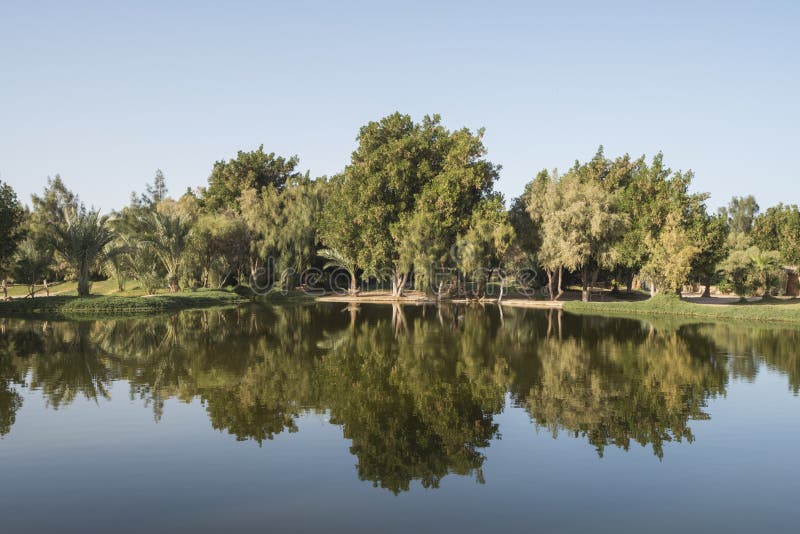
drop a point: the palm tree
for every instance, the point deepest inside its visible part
(339, 260)
(81, 240)
(167, 236)
(765, 267)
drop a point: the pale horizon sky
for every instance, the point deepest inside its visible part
(105, 94)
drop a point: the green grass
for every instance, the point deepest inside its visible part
(104, 305)
(771, 310)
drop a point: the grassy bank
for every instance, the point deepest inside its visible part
(103, 305)
(771, 310)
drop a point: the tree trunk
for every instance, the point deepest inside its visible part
(560, 284)
(585, 284)
(707, 291)
(652, 288)
(550, 287)
(83, 281)
(353, 285)
(5, 289)
(398, 283)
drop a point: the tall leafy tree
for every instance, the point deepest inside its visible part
(741, 212)
(283, 225)
(248, 170)
(408, 184)
(11, 224)
(581, 224)
(671, 255)
(778, 228)
(485, 243)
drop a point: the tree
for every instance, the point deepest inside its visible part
(766, 267)
(155, 193)
(710, 234)
(407, 185)
(167, 236)
(249, 170)
(741, 213)
(81, 241)
(219, 246)
(580, 227)
(49, 212)
(31, 263)
(737, 269)
(283, 225)
(778, 228)
(671, 255)
(340, 261)
(484, 245)
(11, 229)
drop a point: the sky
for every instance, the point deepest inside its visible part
(105, 93)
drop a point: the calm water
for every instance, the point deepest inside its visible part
(323, 418)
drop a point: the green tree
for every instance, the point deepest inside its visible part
(778, 228)
(81, 241)
(167, 236)
(580, 227)
(485, 243)
(766, 267)
(408, 185)
(31, 262)
(671, 255)
(249, 170)
(741, 212)
(710, 234)
(11, 228)
(283, 225)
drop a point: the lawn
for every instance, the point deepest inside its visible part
(115, 303)
(786, 311)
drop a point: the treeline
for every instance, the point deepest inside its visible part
(415, 207)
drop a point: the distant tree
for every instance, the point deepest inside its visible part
(81, 241)
(741, 212)
(11, 225)
(154, 194)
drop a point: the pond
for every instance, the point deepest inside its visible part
(367, 418)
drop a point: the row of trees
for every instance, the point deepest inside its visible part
(415, 207)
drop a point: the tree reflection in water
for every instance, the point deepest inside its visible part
(415, 389)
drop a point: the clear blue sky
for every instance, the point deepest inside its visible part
(105, 94)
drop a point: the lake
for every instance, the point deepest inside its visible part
(328, 417)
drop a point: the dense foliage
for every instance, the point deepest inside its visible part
(414, 208)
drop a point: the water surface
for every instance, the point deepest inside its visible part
(326, 417)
